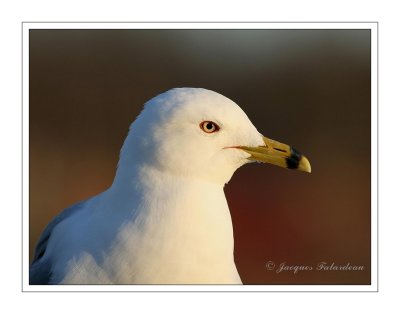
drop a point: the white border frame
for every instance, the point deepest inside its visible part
(373, 26)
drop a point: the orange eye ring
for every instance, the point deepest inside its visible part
(209, 126)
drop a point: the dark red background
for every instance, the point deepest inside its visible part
(308, 88)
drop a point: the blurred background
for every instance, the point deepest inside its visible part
(307, 88)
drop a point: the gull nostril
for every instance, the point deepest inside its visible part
(281, 150)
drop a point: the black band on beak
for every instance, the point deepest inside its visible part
(293, 160)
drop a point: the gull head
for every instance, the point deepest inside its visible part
(200, 134)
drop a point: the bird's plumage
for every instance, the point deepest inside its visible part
(165, 219)
(40, 271)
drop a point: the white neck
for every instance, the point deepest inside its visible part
(181, 231)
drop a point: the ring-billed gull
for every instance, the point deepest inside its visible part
(165, 219)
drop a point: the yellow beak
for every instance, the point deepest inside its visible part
(278, 154)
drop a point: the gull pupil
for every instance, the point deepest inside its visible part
(209, 126)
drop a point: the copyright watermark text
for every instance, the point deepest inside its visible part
(321, 266)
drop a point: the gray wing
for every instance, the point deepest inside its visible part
(40, 269)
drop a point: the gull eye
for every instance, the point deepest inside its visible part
(209, 126)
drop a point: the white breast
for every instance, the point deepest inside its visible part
(179, 235)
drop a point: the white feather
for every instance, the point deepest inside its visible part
(165, 219)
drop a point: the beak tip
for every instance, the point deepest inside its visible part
(304, 165)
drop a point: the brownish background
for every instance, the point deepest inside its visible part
(308, 88)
